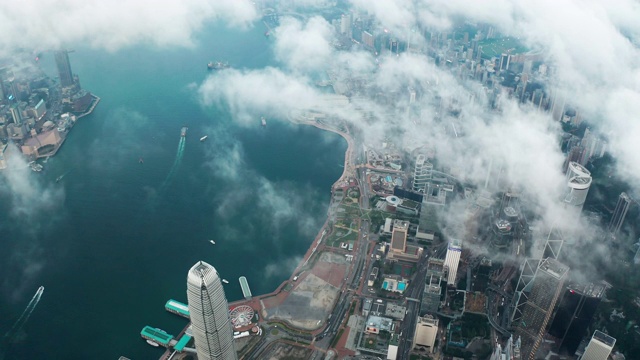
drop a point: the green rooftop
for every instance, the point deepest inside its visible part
(177, 307)
(157, 335)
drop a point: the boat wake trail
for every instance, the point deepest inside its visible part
(10, 336)
(176, 164)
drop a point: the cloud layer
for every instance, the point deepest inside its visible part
(50, 24)
(590, 48)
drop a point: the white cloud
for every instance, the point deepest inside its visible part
(50, 24)
(248, 94)
(304, 46)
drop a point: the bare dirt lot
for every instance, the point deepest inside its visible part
(309, 303)
(284, 351)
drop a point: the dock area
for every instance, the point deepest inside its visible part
(244, 285)
(177, 308)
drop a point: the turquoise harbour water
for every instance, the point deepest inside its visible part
(115, 239)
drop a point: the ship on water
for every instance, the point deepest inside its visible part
(263, 121)
(152, 343)
(225, 281)
(204, 138)
(213, 242)
(217, 65)
(183, 131)
(35, 166)
(59, 178)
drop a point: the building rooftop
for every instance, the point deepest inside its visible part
(395, 311)
(604, 338)
(380, 323)
(157, 335)
(589, 289)
(553, 267)
(510, 211)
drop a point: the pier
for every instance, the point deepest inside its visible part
(177, 308)
(94, 103)
(244, 285)
(158, 336)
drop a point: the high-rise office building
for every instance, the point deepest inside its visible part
(451, 261)
(578, 183)
(209, 312)
(431, 295)
(546, 288)
(16, 114)
(599, 347)
(422, 173)
(64, 68)
(574, 314)
(510, 350)
(595, 147)
(399, 236)
(345, 25)
(620, 212)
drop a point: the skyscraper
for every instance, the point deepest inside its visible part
(624, 201)
(546, 288)
(422, 173)
(451, 261)
(209, 313)
(399, 236)
(578, 183)
(345, 25)
(599, 347)
(575, 312)
(16, 114)
(64, 68)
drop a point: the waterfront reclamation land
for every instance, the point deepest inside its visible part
(307, 303)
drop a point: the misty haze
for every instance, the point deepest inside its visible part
(320, 179)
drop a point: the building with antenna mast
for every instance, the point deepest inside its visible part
(546, 288)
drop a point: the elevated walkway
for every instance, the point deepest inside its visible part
(184, 340)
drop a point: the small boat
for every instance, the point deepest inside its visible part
(204, 138)
(59, 178)
(183, 131)
(153, 343)
(213, 242)
(267, 33)
(217, 65)
(225, 281)
(141, 161)
(263, 121)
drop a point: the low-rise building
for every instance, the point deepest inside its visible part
(372, 277)
(376, 324)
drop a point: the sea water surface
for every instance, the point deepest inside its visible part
(114, 239)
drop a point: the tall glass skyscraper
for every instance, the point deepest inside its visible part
(64, 68)
(574, 314)
(209, 311)
(546, 288)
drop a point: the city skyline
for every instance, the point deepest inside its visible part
(487, 124)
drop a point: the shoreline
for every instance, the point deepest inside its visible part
(322, 231)
(257, 301)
